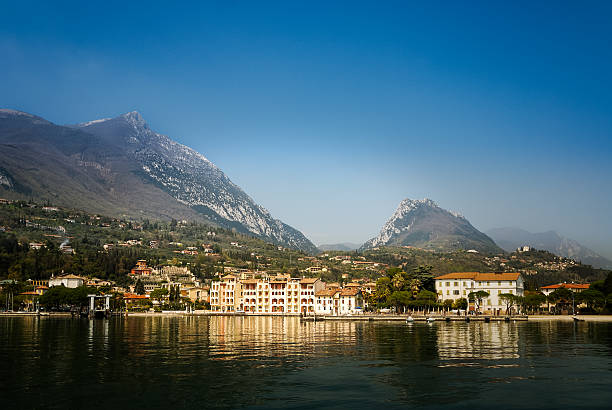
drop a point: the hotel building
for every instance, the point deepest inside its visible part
(454, 286)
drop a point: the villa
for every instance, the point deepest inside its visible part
(454, 286)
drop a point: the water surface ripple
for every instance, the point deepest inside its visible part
(266, 362)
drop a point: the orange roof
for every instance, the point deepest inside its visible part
(349, 292)
(29, 293)
(326, 292)
(498, 276)
(352, 285)
(480, 276)
(567, 286)
(309, 280)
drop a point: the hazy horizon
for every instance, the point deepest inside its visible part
(330, 115)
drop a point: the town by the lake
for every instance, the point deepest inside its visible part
(305, 205)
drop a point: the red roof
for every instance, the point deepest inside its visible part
(134, 296)
(567, 286)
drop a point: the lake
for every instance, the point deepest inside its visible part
(267, 362)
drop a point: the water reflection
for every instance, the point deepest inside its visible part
(482, 341)
(228, 362)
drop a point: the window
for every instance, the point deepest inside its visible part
(456, 292)
(448, 292)
(447, 283)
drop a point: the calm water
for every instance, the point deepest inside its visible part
(262, 362)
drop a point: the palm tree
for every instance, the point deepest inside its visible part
(398, 281)
(415, 287)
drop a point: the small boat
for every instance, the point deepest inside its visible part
(430, 319)
(577, 319)
(409, 319)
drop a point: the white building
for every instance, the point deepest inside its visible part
(334, 301)
(454, 286)
(574, 287)
(69, 281)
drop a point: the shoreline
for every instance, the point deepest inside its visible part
(356, 318)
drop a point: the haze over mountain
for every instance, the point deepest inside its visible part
(345, 246)
(119, 166)
(423, 224)
(511, 238)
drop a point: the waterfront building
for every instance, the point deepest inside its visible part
(69, 281)
(226, 294)
(574, 287)
(308, 288)
(276, 294)
(336, 301)
(351, 301)
(326, 302)
(458, 285)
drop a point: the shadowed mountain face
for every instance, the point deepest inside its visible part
(423, 224)
(120, 166)
(511, 238)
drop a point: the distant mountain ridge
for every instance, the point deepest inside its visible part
(344, 247)
(511, 238)
(423, 224)
(120, 165)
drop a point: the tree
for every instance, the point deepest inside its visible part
(159, 294)
(461, 304)
(399, 281)
(383, 290)
(560, 298)
(448, 304)
(478, 297)
(427, 298)
(594, 299)
(426, 279)
(139, 288)
(399, 299)
(509, 300)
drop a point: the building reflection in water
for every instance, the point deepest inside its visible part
(251, 337)
(478, 341)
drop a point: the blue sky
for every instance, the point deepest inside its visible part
(330, 114)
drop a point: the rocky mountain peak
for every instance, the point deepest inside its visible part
(422, 223)
(135, 120)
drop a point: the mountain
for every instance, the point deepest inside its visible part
(511, 238)
(119, 166)
(344, 247)
(423, 224)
